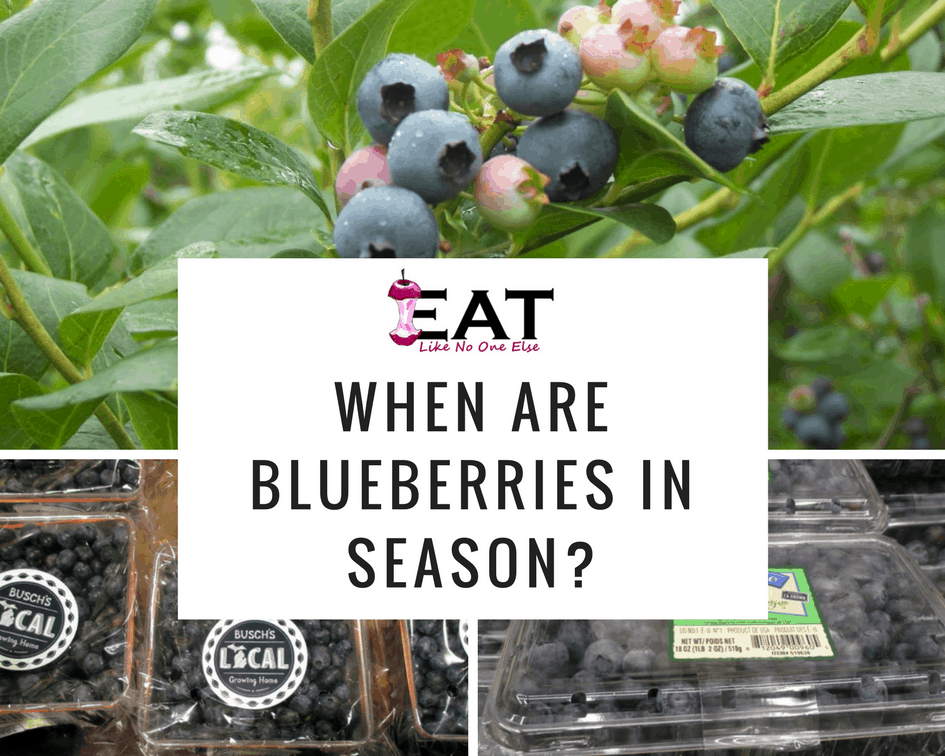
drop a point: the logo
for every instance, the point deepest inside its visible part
(38, 619)
(480, 313)
(254, 664)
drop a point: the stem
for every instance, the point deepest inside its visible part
(893, 425)
(34, 329)
(920, 26)
(481, 83)
(319, 16)
(493, 135)
(708, 207)
(34, 260)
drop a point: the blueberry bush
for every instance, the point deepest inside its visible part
(137, 132)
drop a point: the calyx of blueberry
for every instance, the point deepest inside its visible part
(380, 248)
(574, 181)
(397, 102)
(759, 137)
(454, 160)
(529, 57)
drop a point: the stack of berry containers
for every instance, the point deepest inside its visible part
(823, 496)
(31, 485)
(250, 685)
(67, 587)
(437, 661)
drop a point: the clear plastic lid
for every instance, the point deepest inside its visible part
(438, 665)
(66, 614)
(67, 480)
(905, 468)
(202, 678)
(492, 634)
(862, 657)
(822, 496)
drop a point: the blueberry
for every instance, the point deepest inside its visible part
(537, 72)
(789, 418)
(604, 657)
(576, 635)
(434, 154)
(576, 150)
(386, 221)
(396, 87)
(915, 426)
(548, 659)
(874, 261)
(815, 431)
(725, 124)
(833, 407)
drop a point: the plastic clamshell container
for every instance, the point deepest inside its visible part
(451, 654)
(905, 468)
(492, 635)
(823, 496)
(108, 628)
(60, 480)
(156, 718)
(870, 688)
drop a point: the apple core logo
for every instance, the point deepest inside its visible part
(405, 293)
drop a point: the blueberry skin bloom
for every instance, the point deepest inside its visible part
(537, 72)
(434, 154)
(576, 150)
(396, 87)
(386, 221)
(725, 124)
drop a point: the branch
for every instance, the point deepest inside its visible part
(33, 260)
(893, 425)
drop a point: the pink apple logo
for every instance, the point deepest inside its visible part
(405, 293)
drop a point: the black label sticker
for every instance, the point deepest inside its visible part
(38, 619)
(254, 664)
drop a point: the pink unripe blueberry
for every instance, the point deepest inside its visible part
(686, 59)
(575, 22)
(655, 15)
(616, 56)
(455, 65)
(509, 192)
(363, 169)
(802, 399)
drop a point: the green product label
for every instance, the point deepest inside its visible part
(794, 628)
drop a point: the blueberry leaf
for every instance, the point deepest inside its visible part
(83, 331)
(51, 47)
(881, 98)
(493, 22)
(824, 344)
(234, 146)
(756, 253)
(154, 318)
(75, 243)
(652, 221)
(154, 417)
(922, 252)
(14, 386)
(290, 19)
(425, 29)
(203, 90)
(775, 31)
(252, 222)
(862, 296)
(817, 265)
(648, 151)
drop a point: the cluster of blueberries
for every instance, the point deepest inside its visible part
(440, 676)
(426, 154)
(92, 559)
(815, 414)
(19, 476)
(887, 638)
(324, 707)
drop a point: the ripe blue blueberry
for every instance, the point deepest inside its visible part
(576, 150)
(386, 221)
(834, 407)
(537, 72)
(814, 430)
(396, 87)
(725, 124)
(434, 154)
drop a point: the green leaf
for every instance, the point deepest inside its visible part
(429, 27)
(775, 31)
(750, 254)
(14, 386)
(154, 418)
(296, 254)
(254, 222)
(290, 19)
(51, 300)
(346, 12)
(155, 318)
(152, 369)
(817, 265)
(75, 243)
(204, 90)
(51, 427)
(834, 342)
(916, 135)
(50, 48)
(862, 296)
(652, 221)
(880, 98)
(83, 331)
(234, 146)
(493, 22)
(880, 385)
(648, 151)
(334, 79)
(923, 250)
(93, 436)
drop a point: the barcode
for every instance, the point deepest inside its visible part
(781, 641)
